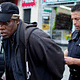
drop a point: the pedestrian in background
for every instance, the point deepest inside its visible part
(43, 59)
(72, 54)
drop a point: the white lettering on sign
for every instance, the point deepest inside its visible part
(50, 0)
(28, 1)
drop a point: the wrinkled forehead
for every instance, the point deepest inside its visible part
(75, 14)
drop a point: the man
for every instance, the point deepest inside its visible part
(72, 54)
(44, 58)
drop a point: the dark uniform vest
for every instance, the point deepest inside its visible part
(74, 51)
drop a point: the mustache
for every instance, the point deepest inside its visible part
(76, 25)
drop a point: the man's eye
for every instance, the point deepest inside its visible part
(6, 23)
(76, 19)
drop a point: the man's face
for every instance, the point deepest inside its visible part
(8, 28)
(76, 19)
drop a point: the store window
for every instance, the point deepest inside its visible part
(45, 25)
(62, 30)
(46, 19)
(63, 21)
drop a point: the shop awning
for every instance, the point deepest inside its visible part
(58, 1)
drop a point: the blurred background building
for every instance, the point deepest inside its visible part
(52, 16)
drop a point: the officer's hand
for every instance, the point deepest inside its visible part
(4, 78)
(66, 52)
(69, 60)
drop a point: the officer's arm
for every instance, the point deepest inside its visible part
(76, 61)
(72, 61)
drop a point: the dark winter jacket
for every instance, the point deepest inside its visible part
(74, 51)
(45, 57)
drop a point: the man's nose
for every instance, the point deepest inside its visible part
(2, 27)
(74, 23)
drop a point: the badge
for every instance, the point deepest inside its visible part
(0, 9)
(79, 44)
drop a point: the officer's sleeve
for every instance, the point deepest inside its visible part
(48, 53)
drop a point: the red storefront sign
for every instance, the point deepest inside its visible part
(28, 3)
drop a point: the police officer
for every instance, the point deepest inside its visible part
(72, 54)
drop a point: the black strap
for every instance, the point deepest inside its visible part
(27, 37)
(27, 29)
